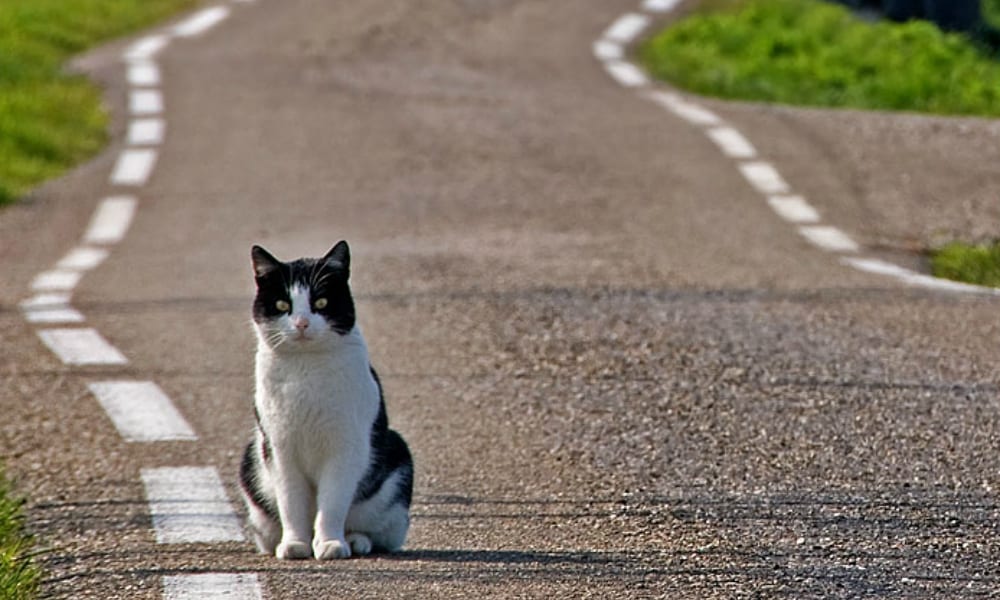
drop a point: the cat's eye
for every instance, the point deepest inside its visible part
(283, 306)
(319, 303)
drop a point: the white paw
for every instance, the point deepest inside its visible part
(361, 544)
(292, 550)
(331, 549)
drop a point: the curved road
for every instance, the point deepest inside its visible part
(617, 368)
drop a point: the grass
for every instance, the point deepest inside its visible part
(978, 264)
(19, 577)
(51, 120)
(810, 52)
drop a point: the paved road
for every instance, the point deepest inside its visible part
(617, 368)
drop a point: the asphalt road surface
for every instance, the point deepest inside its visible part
(620, 373)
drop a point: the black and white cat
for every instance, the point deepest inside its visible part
(325, 476)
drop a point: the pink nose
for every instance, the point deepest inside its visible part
(301, 323)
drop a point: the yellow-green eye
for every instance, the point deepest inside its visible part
(320, 303)
(283, 306)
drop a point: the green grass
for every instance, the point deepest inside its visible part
(979, 264)
(19, 577)
(51, 120)
(809, 52)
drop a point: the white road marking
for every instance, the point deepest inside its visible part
(607, 50)
(731, 142)
(143, 73)
(626, 28)
(829, 238)
(134, 167)
(146, 48)
(145, 132)
(81, 347)
(189, 505)
(764, 177)
(660, 6)
(793, 209)
(201, 21)
(82, 258)
(690, 112)
(141, 411)
(56, 281)
(111, 220)
(50, 308)
(625, 73)
(212, 586)
(881, 267)
(145, 102)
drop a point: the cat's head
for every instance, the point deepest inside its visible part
(305, 304)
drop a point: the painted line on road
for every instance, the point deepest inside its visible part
(763, 176)
(143, 73)
(56, 281)
(212, 586)
(50, 308)
(145, 132)
(81, 347)
(111, 220)
(189, 505)
(134, 167)
(141, 412)
(201, 21)
(145, 102)
(82, 258)
(146, 48)
(793, 209)
(731, 142)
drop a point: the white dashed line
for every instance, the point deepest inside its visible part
(764, 177)
(145, 132)
(134, 167)
(829, 238)
(793, 209)
(690, 112)
(145, 102)
(82, 258)
(626, 28)
(605, 50)
(146, 48)
(189, 505)
(212, 586)
(81, 347)
(660, 6)
(141, 411)
(731, 142)
(111, 220)
(143, 74)
(201, 21)
(50, 308)
(881, 267)
(56, 281)
(625, 73)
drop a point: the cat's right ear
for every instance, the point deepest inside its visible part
(263, 262)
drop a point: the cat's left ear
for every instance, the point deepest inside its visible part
(339, 257)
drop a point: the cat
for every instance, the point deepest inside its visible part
(324, 476)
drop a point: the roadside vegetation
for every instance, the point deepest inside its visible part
(811, 52)
(19, 577)
(816, 53)
(50, 119)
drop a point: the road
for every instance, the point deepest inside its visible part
(620, 373)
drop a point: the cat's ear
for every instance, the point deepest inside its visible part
(263, 262)
(339, 257)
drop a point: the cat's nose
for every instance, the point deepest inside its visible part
(300, 323)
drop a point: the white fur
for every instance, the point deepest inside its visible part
(317, 401)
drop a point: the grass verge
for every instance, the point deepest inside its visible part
(978, 264)
(810, 52)
(51, 120)
(19, 576)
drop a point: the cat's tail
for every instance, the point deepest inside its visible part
(259, 495)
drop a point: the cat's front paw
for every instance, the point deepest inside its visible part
(331, 549)
(292, 550)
